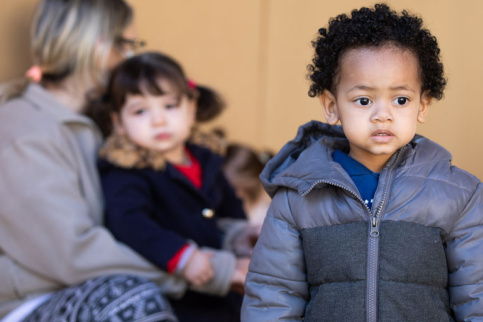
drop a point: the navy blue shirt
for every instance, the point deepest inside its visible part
(364, 179)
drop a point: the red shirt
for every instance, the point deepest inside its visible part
(192, 171)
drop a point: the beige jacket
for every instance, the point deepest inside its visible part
(51, 211)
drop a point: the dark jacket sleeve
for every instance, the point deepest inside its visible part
(465, 261)
(129, 212)
(276, 285)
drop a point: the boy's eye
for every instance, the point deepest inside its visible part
(401, 101)
(363, 101)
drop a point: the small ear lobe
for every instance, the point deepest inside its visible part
(424, 107)
(329, 105)
(117, 126)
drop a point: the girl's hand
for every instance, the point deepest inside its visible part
(239, 274)
(198, 270)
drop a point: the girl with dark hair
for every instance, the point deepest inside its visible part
(167, 198)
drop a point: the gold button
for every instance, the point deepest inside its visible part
(208, 213)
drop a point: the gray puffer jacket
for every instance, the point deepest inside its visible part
(324, 256)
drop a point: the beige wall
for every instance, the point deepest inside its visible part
(15, 18)
(255, 52)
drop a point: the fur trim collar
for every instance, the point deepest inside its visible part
(122, 152)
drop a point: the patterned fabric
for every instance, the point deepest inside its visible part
(115, 298)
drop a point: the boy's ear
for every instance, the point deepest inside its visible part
(424, 107)
(329, 105)
(117, 126)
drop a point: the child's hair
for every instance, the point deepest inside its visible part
(72, 37)
(375, 28)
(242, 167)
(142, 74)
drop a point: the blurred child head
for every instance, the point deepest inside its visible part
(376, 72)
(151, 102)
(242, 167)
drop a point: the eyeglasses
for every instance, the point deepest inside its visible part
(134, 45)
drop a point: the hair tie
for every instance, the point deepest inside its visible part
(191, 84)
(34, 73)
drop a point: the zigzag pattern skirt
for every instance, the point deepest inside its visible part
(114, 298)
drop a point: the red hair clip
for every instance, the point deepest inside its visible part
(191, 84)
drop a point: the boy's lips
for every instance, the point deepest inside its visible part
(382, 136)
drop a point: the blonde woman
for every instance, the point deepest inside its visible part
(57, 261)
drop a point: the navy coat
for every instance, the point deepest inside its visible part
(157, 212)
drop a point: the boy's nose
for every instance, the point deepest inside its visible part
(382, 113)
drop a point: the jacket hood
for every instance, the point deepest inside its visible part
(307, 159)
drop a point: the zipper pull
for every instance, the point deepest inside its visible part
(374, 227)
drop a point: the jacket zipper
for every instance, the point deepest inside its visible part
(373, 243)
(373, 247)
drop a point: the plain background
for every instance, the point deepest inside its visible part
(256, 52)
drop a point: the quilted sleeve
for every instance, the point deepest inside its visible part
(464, 253)
(276, 285)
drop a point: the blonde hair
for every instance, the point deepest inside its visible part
(74, 37)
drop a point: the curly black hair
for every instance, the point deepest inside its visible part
(375, 28)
